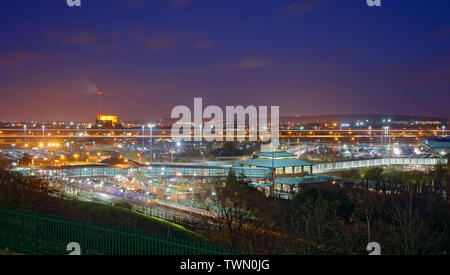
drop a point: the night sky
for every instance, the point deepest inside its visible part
(309, 57)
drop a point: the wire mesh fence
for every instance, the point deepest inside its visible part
(42, 234)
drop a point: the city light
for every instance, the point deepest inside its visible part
(274, 128)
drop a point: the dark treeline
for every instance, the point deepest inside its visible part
(33, 194)
(406, 212)
(392, 180)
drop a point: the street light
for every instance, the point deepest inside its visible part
(387, 133)
(32, 160)
(172, 152)
(201, 134)
(43, 135)
(443, 130)
(25, 132)
(143, 137)
(151, 141)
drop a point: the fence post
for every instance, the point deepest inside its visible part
(85, 238)
(36, 245)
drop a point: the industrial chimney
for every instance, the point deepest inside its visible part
(99, 93)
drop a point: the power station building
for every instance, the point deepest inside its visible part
(106, 121)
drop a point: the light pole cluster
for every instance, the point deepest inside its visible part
(143, 138)
(43, 137)
(151, 140)
(25, 132)
(387, 140)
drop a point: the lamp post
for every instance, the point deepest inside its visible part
(200, 127)
(273, 173)
(151, 141)
(143, 137)
(43, 136)
(387, 137)
(25, 133)
(443, 130)
(32, 160)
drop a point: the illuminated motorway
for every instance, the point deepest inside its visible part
(159, 133)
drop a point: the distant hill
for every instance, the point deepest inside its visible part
(351, 118)
(346, 118)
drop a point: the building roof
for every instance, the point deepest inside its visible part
(278, 154)
(437, 143)
(180, 180)
(276, 163)
(119, 161)
(256, 184)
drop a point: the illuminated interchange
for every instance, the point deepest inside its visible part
(110, 160)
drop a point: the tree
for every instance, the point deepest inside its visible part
(4, 163)
(367, 205)
(234, 219)
(26, 159)
(320, 217)
(414, 229)
(17, 190)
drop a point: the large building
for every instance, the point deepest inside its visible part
(282, 164)
(289, 174)
(438, 144)
(106, 121)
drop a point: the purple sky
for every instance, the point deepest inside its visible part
(309, 57)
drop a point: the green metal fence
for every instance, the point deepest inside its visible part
(42, 234)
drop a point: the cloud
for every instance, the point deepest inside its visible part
(247, 63)
(178, 3)
(166, 41)
(87, 86)
(18, 58)
(442, 32)
(428, 73)
(82, 38)
(57, 35)
(300, 8)
(134, 3)
(106, 48)
(204, 45)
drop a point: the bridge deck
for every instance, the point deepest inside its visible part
(320, 168)
(153, 171)
(204, 171)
